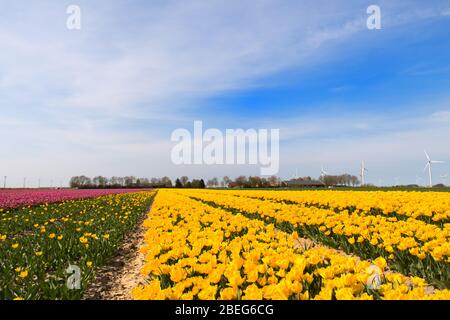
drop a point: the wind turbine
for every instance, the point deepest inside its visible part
(323, 172)
(418, 179)
(296, 174)
(4, 182)
(444, 178)
(429, 165)
(363, 173)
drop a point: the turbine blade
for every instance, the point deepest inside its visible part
(426, 166)
(428, 157)
(436, 161)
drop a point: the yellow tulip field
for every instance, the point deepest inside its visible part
(300, 245)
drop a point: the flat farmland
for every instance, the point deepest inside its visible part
(214, 244)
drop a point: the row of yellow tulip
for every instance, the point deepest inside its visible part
(196, 251)
(413, 245)
(430, 206)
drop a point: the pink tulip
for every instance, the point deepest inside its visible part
(13, 198)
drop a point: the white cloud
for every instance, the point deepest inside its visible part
(441, 116)
(67, 97)
(186, 50)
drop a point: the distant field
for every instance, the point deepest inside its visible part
(13, 198)
(409, 189)
(420, 189)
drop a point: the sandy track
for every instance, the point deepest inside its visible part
(123, 272)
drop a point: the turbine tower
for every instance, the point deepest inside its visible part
(363, 173)
(418, 179)
(323, 172)
(296, 174)
(444, 178)
(429, 165)
(4, 182)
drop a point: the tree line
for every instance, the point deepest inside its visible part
(340, 180)
(184, 182)
(83, 182)
(100, 182)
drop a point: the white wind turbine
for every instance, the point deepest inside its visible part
(418, 179)
(363, 173)
(295, 176)
(429, 165)
(444, 178)
(323, 172)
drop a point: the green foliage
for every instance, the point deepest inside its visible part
(41, 242)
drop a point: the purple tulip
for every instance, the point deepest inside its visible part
(13, 198)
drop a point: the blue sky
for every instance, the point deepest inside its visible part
(105, 99)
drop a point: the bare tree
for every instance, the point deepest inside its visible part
(184, 180)
(80, 182)
(129, 181)
(226, 181)
(100, 182)
(255, 182)
(241, 182)
(273, 181)
(166, 182)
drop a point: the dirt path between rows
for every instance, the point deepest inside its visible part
(123, 272)
(116, 280)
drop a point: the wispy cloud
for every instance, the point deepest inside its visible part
(442, 116)
(180, 52)
(71, 100)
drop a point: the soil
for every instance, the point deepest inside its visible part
(123, 273)
(116, 280)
